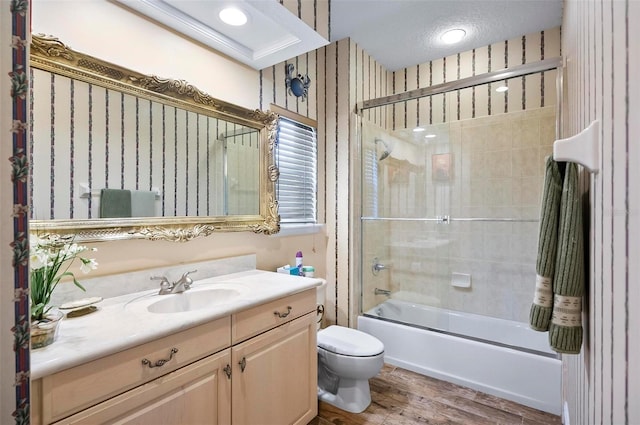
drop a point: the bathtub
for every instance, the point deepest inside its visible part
(495, 356)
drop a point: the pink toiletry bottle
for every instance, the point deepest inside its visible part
(299, 262)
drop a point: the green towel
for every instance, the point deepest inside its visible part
(565, 331)
(143, 203)
(541, 309)
(115, 203)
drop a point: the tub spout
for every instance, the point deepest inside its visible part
(379, 291)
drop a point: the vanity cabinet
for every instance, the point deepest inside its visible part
(274, 362)
(257, 366)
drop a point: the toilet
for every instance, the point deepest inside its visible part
(347, 359)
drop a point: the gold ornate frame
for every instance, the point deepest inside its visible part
(50, 54)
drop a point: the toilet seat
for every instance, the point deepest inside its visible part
(349, 342)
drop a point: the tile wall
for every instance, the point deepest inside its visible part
(496, 171)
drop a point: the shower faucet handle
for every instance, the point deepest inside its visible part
(377, 266)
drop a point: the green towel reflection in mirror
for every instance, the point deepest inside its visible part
(115, 203)
(118, 203)
(143, 203)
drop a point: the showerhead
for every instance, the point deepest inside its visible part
(387, 149)
(384, 155)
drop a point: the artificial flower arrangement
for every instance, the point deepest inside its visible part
(49, 262)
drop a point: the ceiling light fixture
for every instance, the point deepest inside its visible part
(502, 89)
(233, 16)
(453, 36)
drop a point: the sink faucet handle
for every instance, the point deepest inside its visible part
(161, 278)
(186, 280)
(165, 285)
(188, 273)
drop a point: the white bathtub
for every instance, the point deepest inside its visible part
(493, 367)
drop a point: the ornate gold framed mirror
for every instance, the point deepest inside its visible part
(187, 164)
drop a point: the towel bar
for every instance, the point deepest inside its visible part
(583, 148)
(85, 192)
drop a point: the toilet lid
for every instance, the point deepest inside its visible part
(349, 342)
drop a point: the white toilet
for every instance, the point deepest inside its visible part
(347, 359)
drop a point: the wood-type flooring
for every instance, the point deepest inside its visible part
(402, 397)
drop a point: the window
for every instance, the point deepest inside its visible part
(370, 178)
(296, 157)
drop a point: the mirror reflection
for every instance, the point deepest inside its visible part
(108, 143)
(87, 138)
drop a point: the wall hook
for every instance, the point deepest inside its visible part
(297, 85)
(583, 148)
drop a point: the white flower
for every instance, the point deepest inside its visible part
(50, 260)
(88, 264)
(38, 259)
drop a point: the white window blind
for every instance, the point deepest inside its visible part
(297, 159)
(370, 177)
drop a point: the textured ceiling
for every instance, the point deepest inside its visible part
(402, 33)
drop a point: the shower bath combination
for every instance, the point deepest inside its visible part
(434, 225)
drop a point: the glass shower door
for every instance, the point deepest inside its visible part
(405, 238)
(450, 213)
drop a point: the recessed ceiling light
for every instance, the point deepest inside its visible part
(233, 16)
(502, 89)
(430, 136)
(453, 36)
(418, 129)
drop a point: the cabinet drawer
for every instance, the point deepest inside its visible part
(196, 394)
(72, 390)
(258, 319)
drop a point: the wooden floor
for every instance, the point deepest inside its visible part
(401, 397)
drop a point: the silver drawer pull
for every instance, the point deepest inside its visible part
(227, 370)
(283, 315)
(160, 362)
(243, 364)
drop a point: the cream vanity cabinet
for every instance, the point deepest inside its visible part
(257, 366)
(274, 379)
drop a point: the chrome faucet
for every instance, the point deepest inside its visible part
(183, 284)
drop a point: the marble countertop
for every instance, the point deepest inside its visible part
(123, 322)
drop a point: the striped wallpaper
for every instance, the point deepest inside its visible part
(601, 44)
(528, 92)
(90, 138)
(315, 13)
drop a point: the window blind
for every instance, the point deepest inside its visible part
(297, 159)
(370, 178)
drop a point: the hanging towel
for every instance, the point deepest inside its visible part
(143, 203)
(565, 330)
(541, 309)
(115, 203)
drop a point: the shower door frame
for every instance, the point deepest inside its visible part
(356, 271)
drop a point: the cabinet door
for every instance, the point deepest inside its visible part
(195, 394)
(275, 376)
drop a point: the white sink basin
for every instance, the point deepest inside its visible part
(195, 299)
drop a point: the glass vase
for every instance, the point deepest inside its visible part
(44, 332)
